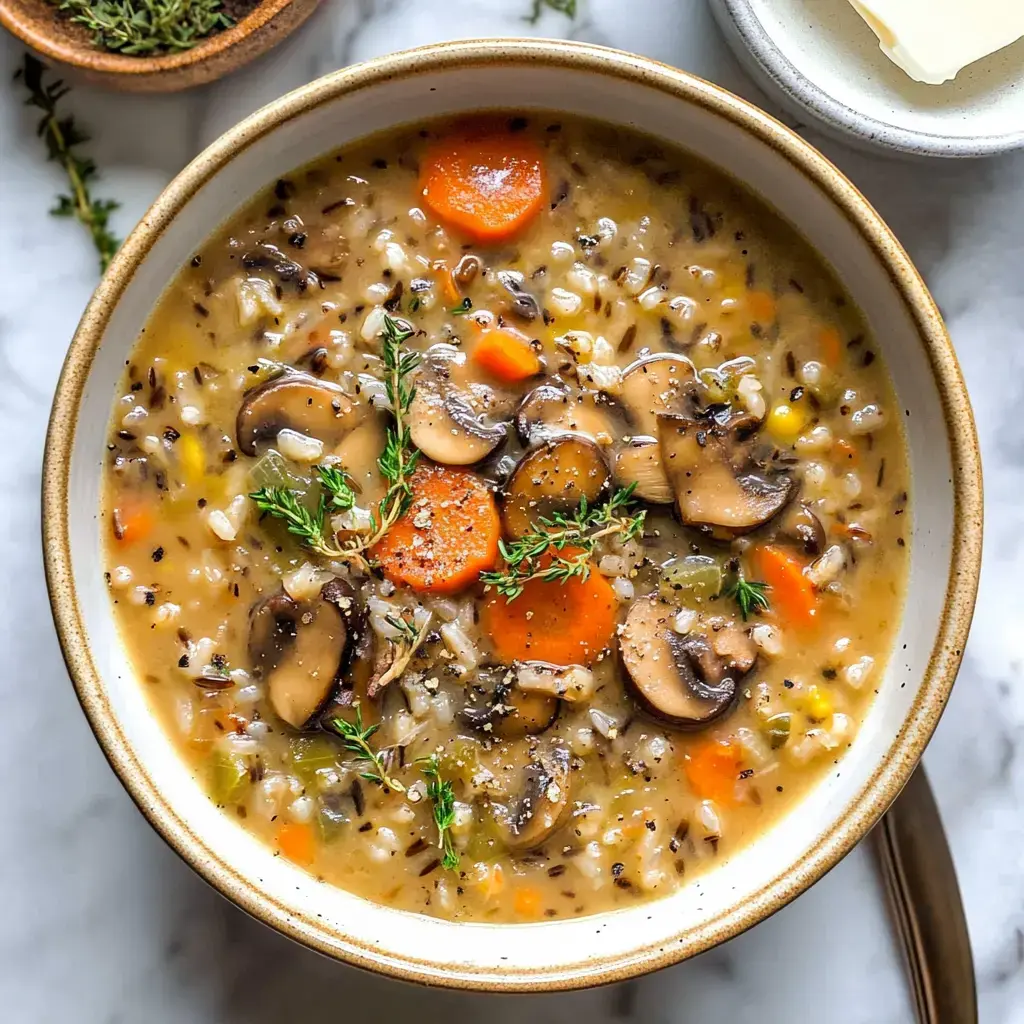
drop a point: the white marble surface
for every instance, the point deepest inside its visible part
(100, 922)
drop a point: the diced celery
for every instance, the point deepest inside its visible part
(312, 757)
(690, 579)
(229, 777)
(777, 729)
(331, 817)
(460, 761)
(274, 470)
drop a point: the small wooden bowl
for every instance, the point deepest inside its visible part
(41, 26)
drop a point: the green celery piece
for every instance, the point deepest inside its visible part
(691, 579)
(311, 755)
(229, 778)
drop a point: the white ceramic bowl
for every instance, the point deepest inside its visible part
(819, 58)
(946, 529)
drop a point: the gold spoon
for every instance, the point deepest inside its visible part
(925, 898)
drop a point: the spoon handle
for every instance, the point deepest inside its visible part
(921, 882)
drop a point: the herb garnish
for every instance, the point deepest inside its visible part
(566, 7)
(463, 307)
(62, 135)
(135, 27)
(582, 530)
(357, 740)
(401, 649)
(442, 796)
(396, 464)
(748, 594)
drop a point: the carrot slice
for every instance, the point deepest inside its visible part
(847, 451)
(561, 623)
(790, 592)
(506, 355)
(527, 901)
(487, 183)
(831, 345)
(449, 535)
(712, 769)
(297, 843)
(132, 521)
(761, 307)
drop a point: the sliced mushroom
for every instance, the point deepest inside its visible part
(800, 526)
(553, 478)
(299, 649)
(639, 463)
(506, 712)
(544, 802)
(686, 680)
(288, 272)
(719, 484)
(554, 408)
(448, 423)
(522, 303)
(297, 401)
(653, 386)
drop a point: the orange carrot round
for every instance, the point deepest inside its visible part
(486, 182)
(761, 307)
(506, 355)
(712, 769)
(831, 345)
(132, 521)
(561, 623)
(296, 842)
(790, 592)
(448, 536)
(528, 901)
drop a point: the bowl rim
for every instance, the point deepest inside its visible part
(93, 59)
(842, 120)
(893, 769)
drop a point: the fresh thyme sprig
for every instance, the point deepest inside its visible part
(398, 460)
(748, 594)
(402, 648)
(442, 796)
(135, 27)
(566, 7)
(61, 136)
(551, 535)
(357, 738)
(396, 463)
(336, 496)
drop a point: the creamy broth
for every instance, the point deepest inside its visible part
(630, 373)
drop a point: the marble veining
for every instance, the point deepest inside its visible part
(101, 924)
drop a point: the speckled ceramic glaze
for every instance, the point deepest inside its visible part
(945, 546)
(40, 25)
(820, 59)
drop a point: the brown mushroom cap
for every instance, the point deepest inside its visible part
(297, 401)
(718, 484)
(654, 386)
(686, 680)
(800, 526)
(554, 408)
(448, 423)
(553, 477)
(507, 712)
(640, 463)
(299, 648)
(544, 802)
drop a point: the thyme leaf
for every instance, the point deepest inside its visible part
(356, 739)
(442, 796)
(566, 7)
(538, 554)
(135, 27)
(749, 595)
(62, 135)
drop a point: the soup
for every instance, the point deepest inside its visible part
(507, 517)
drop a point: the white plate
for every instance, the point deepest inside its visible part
(819, 57)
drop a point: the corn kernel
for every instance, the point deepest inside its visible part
(191, 459)
(817, 703)
(785, 422)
